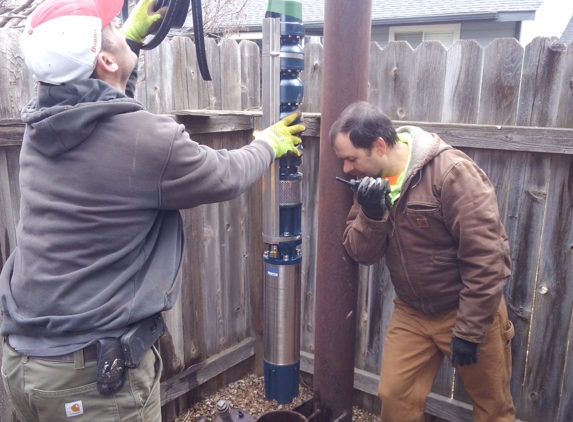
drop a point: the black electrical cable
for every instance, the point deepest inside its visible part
(175, 18)
(199, 39)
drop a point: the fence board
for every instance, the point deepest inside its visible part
(230, 57)
(503, 138)
(427, 93)
(184, 74)
(537, 107)
(209, 92)
(552, 298)
(250, 75)
(312, 77)
(462, 82)
(376, 76)
(564, 114)
(159, 73)
(380, 301)
(392, 67)
(236, 253)
(191, 291)
(525, 261)
(539, 96)
(500, 82)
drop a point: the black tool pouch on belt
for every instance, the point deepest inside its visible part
(110, 366)
(139, 339)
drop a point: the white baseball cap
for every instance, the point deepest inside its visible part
(62, 38)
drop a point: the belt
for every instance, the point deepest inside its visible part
(90, 355)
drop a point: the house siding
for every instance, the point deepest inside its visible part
(483, 32)
(380, 35)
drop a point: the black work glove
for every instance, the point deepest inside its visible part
(464, 352)
(371, 194)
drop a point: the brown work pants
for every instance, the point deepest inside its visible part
(413, 353)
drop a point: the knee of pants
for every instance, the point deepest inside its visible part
(392, 391)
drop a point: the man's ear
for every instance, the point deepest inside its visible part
(105, 64)
(380, 145)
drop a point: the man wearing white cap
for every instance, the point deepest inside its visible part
(100, 237)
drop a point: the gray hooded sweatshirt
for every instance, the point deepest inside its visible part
(100, 237)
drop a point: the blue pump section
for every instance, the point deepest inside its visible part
(291, 62)
(281, 382)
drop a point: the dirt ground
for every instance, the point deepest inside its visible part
(248, 395)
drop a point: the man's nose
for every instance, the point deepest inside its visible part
(348, 167)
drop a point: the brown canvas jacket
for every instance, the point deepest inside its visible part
(442, 239)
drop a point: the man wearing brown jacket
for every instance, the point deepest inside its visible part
(432, 213)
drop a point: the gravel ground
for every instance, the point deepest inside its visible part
(248, 394)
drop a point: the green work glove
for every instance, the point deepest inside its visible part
(142, 21)
(281, 136)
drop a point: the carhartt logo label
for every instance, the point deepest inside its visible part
(422, 222)
(75, 408)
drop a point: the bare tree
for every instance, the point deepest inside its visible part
(12, 13)
(223, 17)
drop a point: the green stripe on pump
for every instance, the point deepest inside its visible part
(286, 7)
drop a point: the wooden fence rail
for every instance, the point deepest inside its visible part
(509, 107)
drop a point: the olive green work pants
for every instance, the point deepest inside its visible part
(413, 353)
(47, 391)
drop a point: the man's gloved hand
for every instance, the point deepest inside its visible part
(371, 194)
(281, 136)
(143, 20)
(464, 352)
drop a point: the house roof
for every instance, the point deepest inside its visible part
(567, 36)
(396, 11)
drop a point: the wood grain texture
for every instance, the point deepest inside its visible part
(16, 82)
(552, 301)
(542, 72)
(159, 74)
(429, 79)
(250, 75)
(462, 82)
(392, 79)
(564, 114)
(500, 82)
(312, 77)
(230, 58)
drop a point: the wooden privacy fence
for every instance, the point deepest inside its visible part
(509, 107)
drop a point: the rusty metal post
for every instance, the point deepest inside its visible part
(345, 80)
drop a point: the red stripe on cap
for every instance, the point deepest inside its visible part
(106, 10)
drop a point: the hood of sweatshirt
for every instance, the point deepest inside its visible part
(63, 116)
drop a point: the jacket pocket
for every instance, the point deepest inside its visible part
(445, 261)
(420, 207)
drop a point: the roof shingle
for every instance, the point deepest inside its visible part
(313, 10)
